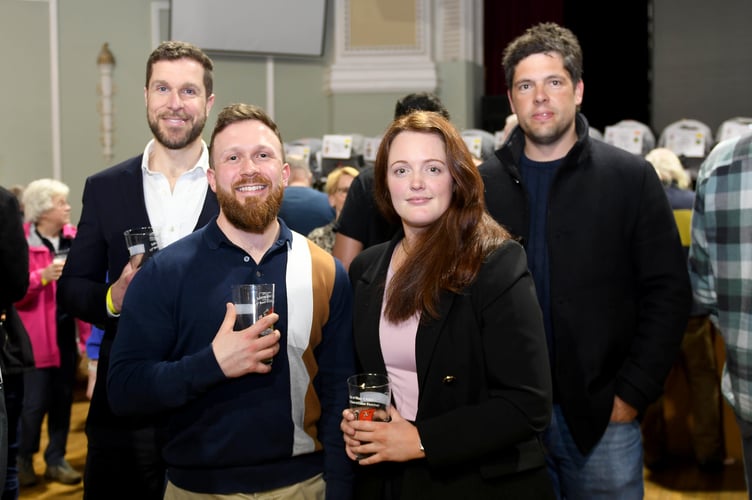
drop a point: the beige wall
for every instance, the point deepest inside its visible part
(302, 107)
(382, 24)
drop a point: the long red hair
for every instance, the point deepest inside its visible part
(448, 254)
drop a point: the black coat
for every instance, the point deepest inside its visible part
(620, 292)
(14, 251)
(113, 201)
(484, 382)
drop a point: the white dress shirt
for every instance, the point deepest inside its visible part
(174, 214)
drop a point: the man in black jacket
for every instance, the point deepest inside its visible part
(14, 280)
(608, 265)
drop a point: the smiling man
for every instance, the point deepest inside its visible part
(607, 261)
(236, 425)
(165, 188)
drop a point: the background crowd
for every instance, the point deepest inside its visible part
(528, 303)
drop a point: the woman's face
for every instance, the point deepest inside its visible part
(418, 178)
(59, 214)
(337, 199)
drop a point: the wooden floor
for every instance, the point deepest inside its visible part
(680, 482)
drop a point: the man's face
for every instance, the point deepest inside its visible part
(544, 98)
(248, 175)
(176, 102)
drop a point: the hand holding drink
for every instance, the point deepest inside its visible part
(253, 302)
(370, 397)
(142, 244)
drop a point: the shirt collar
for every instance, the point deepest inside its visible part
(215, 237)
(203, 161)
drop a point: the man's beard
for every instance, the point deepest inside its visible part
(253, 215)
(181, 141)
(545, 136)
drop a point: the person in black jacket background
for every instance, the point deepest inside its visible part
(15, 355)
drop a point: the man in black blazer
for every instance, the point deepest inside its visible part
(165, 188)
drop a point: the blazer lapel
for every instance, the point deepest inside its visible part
(210, 209)
(133, 191)
(369, 300)
(428, 336)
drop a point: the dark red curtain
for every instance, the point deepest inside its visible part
(615, 42)
(503, 22)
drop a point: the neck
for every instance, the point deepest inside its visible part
(401, 253)
(298, 183)
(172, 163)
(47, 229)
(255, 244)
(554, 151)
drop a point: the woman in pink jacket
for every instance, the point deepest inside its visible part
(48, 389)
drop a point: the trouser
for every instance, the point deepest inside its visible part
(310, 489)
(3, 433)
(13, 386)
(612, 470)
(123, 464)
(48, 391)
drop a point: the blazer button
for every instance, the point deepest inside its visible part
(448, 380)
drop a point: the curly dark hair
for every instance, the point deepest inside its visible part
(541, 39)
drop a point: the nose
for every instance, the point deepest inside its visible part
(174, 101)
(540, 94)
(248, 166)
(416, 181)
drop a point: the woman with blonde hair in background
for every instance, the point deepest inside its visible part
(48, 388)
(337, 185)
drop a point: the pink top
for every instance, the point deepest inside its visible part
(398, 348)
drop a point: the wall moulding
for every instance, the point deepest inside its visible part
(380, 47)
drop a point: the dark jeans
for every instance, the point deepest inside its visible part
(14, 394)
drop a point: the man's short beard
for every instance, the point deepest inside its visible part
(178, 142)
(254, 215)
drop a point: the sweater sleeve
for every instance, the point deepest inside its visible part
(141, 352)
(336, 361)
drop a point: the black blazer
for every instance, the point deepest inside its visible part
(484, 382)
(113, 201)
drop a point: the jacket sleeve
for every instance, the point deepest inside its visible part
(336, 362)
(700, 268)
(82, 289)
(665, 297)
(142, 350)
(14, 251)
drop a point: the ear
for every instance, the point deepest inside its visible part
(210, 176)
(511, 104)
(209, 104)
(579, 91)
(285, 174)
